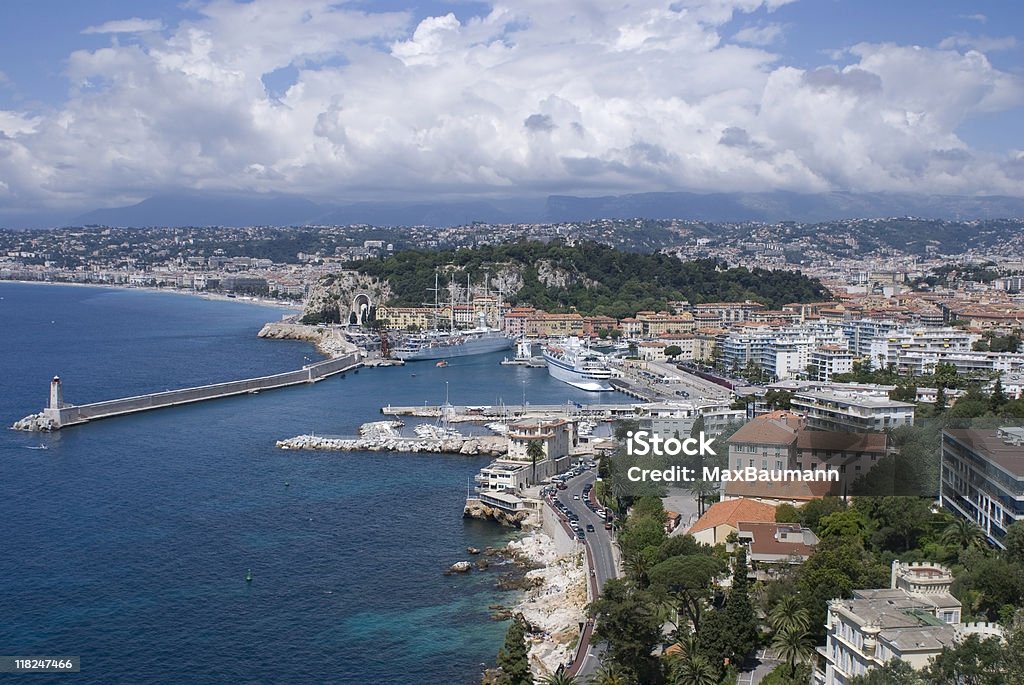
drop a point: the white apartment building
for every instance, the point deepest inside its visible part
(894, 349)
(913, 620)
(829, 360)
(856, 412)
(861, 333)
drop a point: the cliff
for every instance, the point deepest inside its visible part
(333, 297)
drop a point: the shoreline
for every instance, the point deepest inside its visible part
(295, 308)
(556, 605)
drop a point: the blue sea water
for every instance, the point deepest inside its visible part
(127, 541)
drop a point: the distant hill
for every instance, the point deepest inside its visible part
(205, 209)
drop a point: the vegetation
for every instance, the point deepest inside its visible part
(513, 657)
(593, 279)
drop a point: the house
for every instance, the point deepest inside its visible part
(723, 518)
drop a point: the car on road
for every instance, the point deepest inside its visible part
(575, 496)
(590, 527)
(607, 526)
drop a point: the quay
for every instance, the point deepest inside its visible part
(463, 413)
(60, 415)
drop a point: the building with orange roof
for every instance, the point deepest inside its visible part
(723, 518)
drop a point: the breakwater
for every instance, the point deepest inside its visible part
(60, 415)
(452, 445)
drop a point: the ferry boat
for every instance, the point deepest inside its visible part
(571, 362)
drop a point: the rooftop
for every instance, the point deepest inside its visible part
(731, 512)
(994, 446)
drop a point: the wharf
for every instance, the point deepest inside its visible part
(463, 413)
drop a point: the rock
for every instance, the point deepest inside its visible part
(473, 550)
(482, 564)
(460, 567)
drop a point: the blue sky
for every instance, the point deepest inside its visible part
(109, 101)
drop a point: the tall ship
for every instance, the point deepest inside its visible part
(448, 344)
(570, 361)
(438, 344)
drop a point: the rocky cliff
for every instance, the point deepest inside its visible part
(332, 298)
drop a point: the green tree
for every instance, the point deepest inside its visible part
(514, 656)
(689, 580)
(560, 677)
(536, 453)
(788, 614)
(694, 669)
(963, 534)
(971, 662)
(703, 490)
(739, 612)
(998, 397)
(673, 351)
(609, 673)
(940, 398)
(627, 620)
(1014, 541)
(793, 646)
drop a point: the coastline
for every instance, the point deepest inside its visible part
(244, 299)
(556, 605)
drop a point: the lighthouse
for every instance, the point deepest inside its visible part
(56, 394)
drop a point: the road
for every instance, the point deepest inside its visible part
(600, 558)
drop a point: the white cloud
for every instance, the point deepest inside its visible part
(982, 43)
(980, 18)
(576, 96)
(133, 25)
(763, 35)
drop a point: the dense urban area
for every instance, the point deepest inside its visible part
(887, 351)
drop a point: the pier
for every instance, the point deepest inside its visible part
(60, 415)
(460, 413)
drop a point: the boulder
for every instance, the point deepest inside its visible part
(460, 567)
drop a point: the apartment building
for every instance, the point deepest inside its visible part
(982, 477)
(913, 620)
(835, 410)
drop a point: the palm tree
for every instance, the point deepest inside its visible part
(703, 490)
(610, 674)
(534, 451)
(963, 534)
(793, 646)
(694, 670)
(636, 564)
(788, 614)
(559, 677)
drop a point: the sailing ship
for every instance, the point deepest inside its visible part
(438, 344)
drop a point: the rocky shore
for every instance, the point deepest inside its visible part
(479, 510)
(554, 605)
(328, 341)
(35, 422)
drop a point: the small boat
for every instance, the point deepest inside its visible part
(248, 576)
(37, 447)
(441, 364)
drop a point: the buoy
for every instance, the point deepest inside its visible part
(248, 576)
(286, 483)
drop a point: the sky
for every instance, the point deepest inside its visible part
(107, 102)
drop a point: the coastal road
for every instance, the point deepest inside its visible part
(598, 547)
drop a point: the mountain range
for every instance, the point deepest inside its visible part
(208, 209)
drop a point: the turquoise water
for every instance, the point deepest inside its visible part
(128, 540)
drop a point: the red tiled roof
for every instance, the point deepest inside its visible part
(732, 512)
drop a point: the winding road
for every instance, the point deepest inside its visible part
(600, 558)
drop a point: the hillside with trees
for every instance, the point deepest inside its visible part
(589, 278)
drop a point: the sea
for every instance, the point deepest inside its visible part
(128, 540)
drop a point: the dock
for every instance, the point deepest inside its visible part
(61, 415)
(463, 413)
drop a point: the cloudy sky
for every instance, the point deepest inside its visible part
(104, 103)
